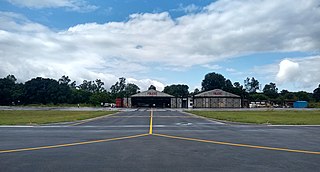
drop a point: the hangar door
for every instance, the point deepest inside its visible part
(159, 102)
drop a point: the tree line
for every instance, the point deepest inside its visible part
(64, 91)
(49, 91)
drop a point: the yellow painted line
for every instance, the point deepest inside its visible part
(151, 115)
(71, 144)
(93, 119)
(238, 145)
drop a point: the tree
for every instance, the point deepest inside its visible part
(44, 91)
(316, 94)
(64, 80)
(177, 90)
(119, 86)
(252, 85)
(100, 97)
(131, 89)
(258, 97)
(239, 90)
(118, 89)
(302, 95)
(99, 86)
(213, 81)
(271, 90)
(152, 87)
(7, 86)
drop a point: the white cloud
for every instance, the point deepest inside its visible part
(224, 29)
(191, 8)
(145, 83)
(288, 71)
(212, 67)
(74, 5)
(301, 72)
(294, 74)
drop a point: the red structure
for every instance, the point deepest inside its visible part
(119, 102)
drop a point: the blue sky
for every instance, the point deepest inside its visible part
(162, 42)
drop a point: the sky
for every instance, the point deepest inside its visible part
(162, 42)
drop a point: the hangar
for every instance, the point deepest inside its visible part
(210, 99)
(216, 99)
(150, 98)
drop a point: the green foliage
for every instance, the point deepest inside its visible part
(152, 87)
(9, 92)
(49, 91)
(43, 117)
(316, 94)
(177, 90)
(100, 97)
(43, 91)
(213, 81)
(258, 97)
(121, 89)
(131, 89)
(271, 90)
(265, 117)
(252, 85)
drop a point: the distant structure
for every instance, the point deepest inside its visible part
(216, 99)
(210, 99)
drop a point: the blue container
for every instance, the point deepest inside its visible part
(300, 104)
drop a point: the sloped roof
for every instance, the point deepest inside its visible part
(216, 93)
(152, 93)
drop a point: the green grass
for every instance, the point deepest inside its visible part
(57, 105)
(264, 117)
(20, 117)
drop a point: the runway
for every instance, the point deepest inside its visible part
(158, 140)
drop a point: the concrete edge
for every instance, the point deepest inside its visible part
(242, 123)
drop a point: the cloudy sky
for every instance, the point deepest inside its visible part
(162, 42)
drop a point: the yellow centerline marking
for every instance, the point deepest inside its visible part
(151, 115)
(238, 145)
(71, 144)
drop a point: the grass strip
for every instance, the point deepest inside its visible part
(265, 117)
(20, 117)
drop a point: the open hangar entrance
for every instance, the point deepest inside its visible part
(159, 102)
(150, 98)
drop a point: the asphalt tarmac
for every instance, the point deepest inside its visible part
(158, 140)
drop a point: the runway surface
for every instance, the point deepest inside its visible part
(158, 140)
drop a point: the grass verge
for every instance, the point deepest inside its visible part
(265, 117)
(19, 117)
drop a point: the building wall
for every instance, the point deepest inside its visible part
(216, 102)
(127, 102)
(176, 102)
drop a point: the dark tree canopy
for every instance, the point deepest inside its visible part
(271, 90)
(131, 89)
(118, 87)
(252, 85)
(7, 89)
(316, 94)
(122, 89)
(45, 90)
(49, 91)
(177, 90)
(152, 87)
(213, 81)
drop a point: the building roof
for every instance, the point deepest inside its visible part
(152, 93)
(216, 93)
